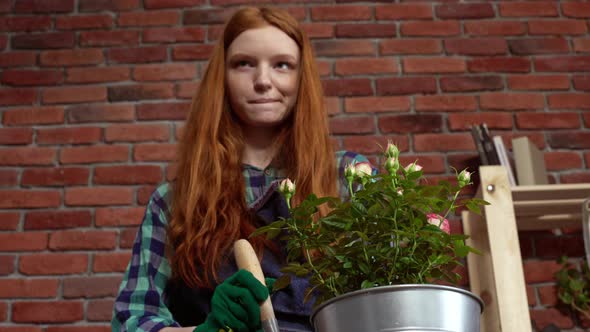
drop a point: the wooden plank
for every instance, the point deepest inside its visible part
(505, 250)
(548, 207)
(479, 267)
(548, 222)
(551, 191)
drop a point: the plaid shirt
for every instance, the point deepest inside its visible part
(140, 305)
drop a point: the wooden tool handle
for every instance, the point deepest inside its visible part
(246, 259)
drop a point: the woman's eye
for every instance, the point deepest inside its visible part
(284, 65)
(242, 63)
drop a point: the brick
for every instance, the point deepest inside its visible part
(9, 221)
(94, 154)
(365, 30)
(24, 77)
(22, 156)
(528, 9)
(410, 123)
(82, 240)
(443, 142)
(68, 95)
(76, 57)
(17, 59)
(127, 238)
(16, 136)
(3, 311)
(7, 264)
(332, 105)
(40, 6)
(563, 160)
(538, 46)
(358, 66)
(581, 45)
(372, 144)
(144, 193)
(109, 38)
(108, 217)
(206, 16)
(545, 317)
(170, 173)
(433, 65)
(47, 312)
(100, 310)
(499, 64)
(33, 116)
(464, 11)
(137, 54)
(25, 23)
(344, 47)
(137, 174)
(576, 9)
(140, 92)
(471, 83)
(576, 177)
(154, 152)
(445, 103)
(512, 101)
(352, 125)
(430, 28)
(476, 46)
(377, 104)
(318, 30)
(53, 264)
(137, 133)
(557, 27)
(70, 135)
(100, 113)
(111, 262)
(98, 196)
(12, 199)
(61, 176)
(494, 120)
(569, 140)
(340, 13)
(410, 46)
(81, 22)
(548, 295)
(581, 82)
(78, 328)
(186, 90)
(159, 4)
(557, 120)
(148, 18)
(28, 288)
(167, 72)
(573, 101)
(397, 12)
(17, 96)
(23, 241)
(108, 5)
(48, 40)
(163, 111)
(538, 82)
(494, 28)
(3, 42)
(61, 219)
(347, 87)
(173, 35)
(192, 52)
(8, 178)
(91, 287)
(21, 328)
(563, 64)
(405, 85)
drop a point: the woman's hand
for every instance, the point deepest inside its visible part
(235, 304)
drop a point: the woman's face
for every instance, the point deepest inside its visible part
(262, 77)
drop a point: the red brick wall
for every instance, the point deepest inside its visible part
(94, 92)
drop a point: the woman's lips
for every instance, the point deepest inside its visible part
(263, 101)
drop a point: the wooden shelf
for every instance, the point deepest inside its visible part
(497, 275)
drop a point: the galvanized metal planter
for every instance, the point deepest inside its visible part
(409, 308)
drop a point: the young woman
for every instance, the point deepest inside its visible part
(257, 118)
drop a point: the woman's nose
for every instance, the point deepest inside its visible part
(262, 80)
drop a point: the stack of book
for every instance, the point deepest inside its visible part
(526, 159)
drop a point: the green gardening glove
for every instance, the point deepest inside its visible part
(269, 283)
(235, 305)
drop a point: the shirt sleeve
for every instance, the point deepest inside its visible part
(140, 303)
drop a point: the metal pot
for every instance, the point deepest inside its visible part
(415, 308)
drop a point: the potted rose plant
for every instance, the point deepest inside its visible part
(377, 260)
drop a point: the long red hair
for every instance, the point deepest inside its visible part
(209, 211)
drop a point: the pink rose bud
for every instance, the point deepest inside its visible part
(363, 169)
(439, 221)
(413, 167)
(464, 178)
(349, 171)
(391, 151)
(391, 165)
(287, 186)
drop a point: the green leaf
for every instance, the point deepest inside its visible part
(282, 282)
(367, 284)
